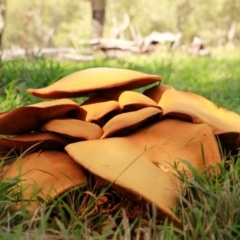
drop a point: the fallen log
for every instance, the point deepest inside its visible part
(112, 48)
(143, 45)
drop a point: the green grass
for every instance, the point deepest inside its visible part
(210, 209)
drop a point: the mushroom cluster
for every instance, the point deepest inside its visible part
(134, 141)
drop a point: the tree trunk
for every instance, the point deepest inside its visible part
(2, 19)
(231, 32)
(98, 17)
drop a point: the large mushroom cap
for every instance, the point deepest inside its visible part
(26, 119)
(200, 110)
(73, 128)
(170, 141)
(47, 174)
(120, 162)
(83, 82)
(143, 162)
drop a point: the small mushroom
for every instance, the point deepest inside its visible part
(129, 100)
(125, 122)
(88, 81)
(45, 175)
(99, 110)
(29, 118)
(73, 128)
(143, 162)
(156, 92)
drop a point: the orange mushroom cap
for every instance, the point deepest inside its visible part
(130, 121)
(46, 174)
(29, 118)
(129, 100)
(156, 92)
(143, 162)
(73, 128)
(83, 83)
(119, 162)
(99, 110)
(171, 140)
(200, 110)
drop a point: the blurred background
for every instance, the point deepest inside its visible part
(130, 25)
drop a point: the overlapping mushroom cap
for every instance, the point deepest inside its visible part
(144, 161)
(124, 123)
(198, 108)
(149, 144)
(31, 117)
(73, 128)
(88, 81)
(129, 100)
(99, 110)
(45, 175)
